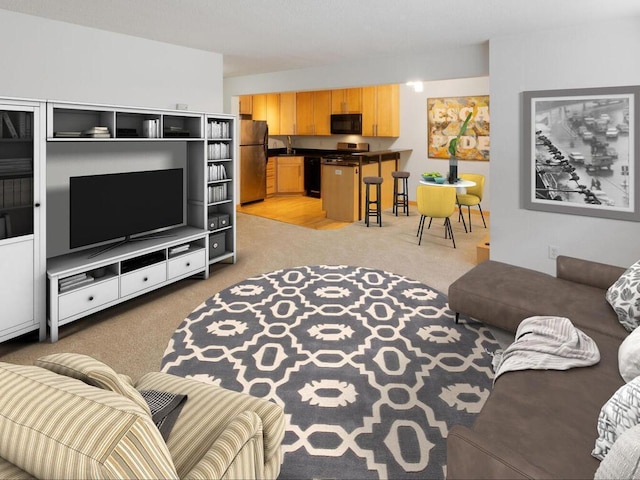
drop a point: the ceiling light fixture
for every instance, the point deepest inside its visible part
(417, 86)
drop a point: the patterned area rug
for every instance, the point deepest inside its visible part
(370, 367)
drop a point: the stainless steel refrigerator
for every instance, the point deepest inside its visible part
(253, 160)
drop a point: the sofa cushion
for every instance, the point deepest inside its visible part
(624, 297)
(623, 460)
(629, 356)
(54, 426)
(620, 413)
(93, 372)
(550, 416)
(492, 292)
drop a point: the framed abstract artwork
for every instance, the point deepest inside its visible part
(444, 118)
(580, 151)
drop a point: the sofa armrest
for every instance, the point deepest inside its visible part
(470, 455)
(237, 453)
(206, 415)
(594, 274)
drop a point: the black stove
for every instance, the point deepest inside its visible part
(344, 154)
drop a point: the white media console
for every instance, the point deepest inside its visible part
(80, 285)
(43, 144)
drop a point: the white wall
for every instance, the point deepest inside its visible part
(51, 60)
(596, 55)
(413, 131)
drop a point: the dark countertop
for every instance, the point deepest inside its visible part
(379, 153)
(299, 152)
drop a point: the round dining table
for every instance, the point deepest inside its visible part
(461, 185)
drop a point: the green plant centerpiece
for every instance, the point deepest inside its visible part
(453, 149)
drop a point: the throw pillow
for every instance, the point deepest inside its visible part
(54, 426)
(620, 413)
(629, 356)
(92, 372)
(623, 460)
(624, 297)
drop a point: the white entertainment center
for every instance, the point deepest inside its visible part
(85, 139)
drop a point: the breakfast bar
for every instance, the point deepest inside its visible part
(342, 189)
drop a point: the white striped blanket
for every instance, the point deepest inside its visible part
(547, 343)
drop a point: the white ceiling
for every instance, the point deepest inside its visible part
(259, 36)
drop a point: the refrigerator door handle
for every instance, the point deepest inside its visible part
(265, 143)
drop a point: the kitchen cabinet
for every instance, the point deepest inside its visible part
(290, 175)
(287, 113)
(267, 107)
(271, 176)
(245, 105)
(346, 100)
(381, 111)
(313, 113)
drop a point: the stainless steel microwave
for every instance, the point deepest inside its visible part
(346, 124)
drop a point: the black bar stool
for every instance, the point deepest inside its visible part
(373, 207)
(400, 198)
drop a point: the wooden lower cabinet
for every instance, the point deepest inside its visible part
(341, 192)
(271, 176)
(290, 175)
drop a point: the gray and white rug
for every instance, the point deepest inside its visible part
(369, 366)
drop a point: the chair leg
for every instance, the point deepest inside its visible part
(461, 217)
(421, 228)
(450, 229)
(482, 216)
(457, 317)
(420, 224)
(469, 214)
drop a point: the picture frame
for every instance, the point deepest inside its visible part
(580, 152)
(444, 117)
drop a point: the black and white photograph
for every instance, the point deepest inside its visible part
(580, 152)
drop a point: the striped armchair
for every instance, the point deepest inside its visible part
(71, 416)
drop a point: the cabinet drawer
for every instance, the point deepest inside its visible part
(191, 262)
(142, 279)
(86, 298)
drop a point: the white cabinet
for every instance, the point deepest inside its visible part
(102, 140)
(80, 286)
(22, 216)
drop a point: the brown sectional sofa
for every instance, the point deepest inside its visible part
(538, 423)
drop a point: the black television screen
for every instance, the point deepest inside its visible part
(118, 205)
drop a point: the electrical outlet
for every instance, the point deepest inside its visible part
(554, 251)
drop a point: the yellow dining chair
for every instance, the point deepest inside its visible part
(473, 197)
(436, 202)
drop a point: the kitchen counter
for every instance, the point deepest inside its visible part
(343, 191)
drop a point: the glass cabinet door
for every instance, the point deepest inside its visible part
(16, 173)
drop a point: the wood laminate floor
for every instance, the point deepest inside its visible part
(295, 209)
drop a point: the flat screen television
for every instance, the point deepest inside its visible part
(119, 205)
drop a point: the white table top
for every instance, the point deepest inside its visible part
(458, 184)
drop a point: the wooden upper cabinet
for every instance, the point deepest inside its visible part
(313, 113)
(381, 111)
(287, 113)
(322, 112)
(346, 100)
(304, 113)
(246, 104)
(267, 107)
(259, 107)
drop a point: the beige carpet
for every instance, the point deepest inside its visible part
(133, 336)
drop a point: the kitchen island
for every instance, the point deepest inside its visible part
(343, 192)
